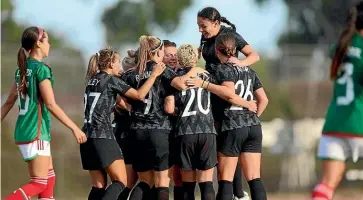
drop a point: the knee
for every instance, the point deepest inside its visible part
(99, 182)
(162, 179)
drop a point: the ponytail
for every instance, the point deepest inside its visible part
(144, 51)
(226, 21)
(22, 71)
(344, 40)
(92, 66)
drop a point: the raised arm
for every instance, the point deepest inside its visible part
(251, 55)
(47, 93)
(262, 100)
(10, 101)
(141, 93)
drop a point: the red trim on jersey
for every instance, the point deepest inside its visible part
(343, 135)
(40, 114)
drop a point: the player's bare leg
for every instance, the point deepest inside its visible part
(99, 183)
(189, 179)
(333, 171)
(142, 189)
(117, 173)
(226, 168)
(131, 181)
(162, 181)
(48, 193)
(38, 170)
(178, 183)
(251, 163)
(205, 181)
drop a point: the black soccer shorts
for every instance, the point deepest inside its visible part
(150, 150)
(97, 154)
(246, 139)
(197, 151)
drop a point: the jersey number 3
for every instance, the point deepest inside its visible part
(346, 79)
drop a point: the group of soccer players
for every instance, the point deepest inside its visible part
(166, 123)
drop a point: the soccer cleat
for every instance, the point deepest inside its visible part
(246, 197)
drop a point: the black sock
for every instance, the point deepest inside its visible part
(124, 194)
(257, 189)
(225, 190)
(188, 190)
(162, 193)
(207, 191)
(237, 182)
(113, 191)
(141, 191)
(153, 193)
(178, 193)
(96, 193)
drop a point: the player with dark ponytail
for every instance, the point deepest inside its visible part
(33, 88)
(209, 22)
(342, 137)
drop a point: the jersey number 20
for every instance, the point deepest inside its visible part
(346, 79)
(187, 111)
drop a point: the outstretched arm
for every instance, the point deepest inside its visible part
(10, 101)
(47, 93)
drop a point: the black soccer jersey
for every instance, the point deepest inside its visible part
(194, 111)
(150, 114)
(122, 119)
(246, 82)
(208, 48)
(99, 102)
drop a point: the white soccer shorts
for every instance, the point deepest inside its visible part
(34, 149)
(337, 148)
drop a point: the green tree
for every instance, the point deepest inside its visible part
(314, 21)
(126, 21)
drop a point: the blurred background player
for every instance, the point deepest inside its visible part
(33, 87)
(343, 129)
(101, 153)
(209, 23)
(170, 57)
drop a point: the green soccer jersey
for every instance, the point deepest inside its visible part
(345, 113)
(34, 118)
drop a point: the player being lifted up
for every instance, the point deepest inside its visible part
(241, 135)
(343, 129)
(195, 135)
(33, 87)
(150, 124)
(101, 153)
(210, 25)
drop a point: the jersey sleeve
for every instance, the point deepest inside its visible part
(168, 75)
(119, 85)
(257, 83)
(44, 72)
(240, 42)
(224, 73)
